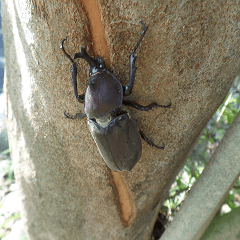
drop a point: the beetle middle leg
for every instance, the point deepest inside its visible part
(149, 141)
(128, 89)
(78, 115)
(80, 98)
(144, 108)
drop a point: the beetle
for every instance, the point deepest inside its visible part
(113, 128)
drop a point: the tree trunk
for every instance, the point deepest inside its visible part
(189, 57)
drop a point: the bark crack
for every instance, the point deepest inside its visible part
(99, 44)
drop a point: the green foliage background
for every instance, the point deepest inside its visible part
(207, 143)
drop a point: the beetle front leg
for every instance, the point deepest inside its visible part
(127, 90)
(148, 141)
(80, 98)
(144, 108)
(84, 55)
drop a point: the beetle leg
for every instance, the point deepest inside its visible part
(78, 115)
(84, 55)
(148, 141)
(144, 108)
(80, 98)
(128, 89)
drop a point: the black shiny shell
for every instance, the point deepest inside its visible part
(119, 143)
(104, 94)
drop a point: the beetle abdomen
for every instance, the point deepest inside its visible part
(119, 143)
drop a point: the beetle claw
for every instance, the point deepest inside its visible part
(63, 49)
(149, 141)
(144, 26)
(164, 106)
(65, 115)
(78, 115)
(134, 59)
(169, 106)
(158, 146)
(61, 45)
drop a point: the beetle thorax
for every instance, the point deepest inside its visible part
(104, 121)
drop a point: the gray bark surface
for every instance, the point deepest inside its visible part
(189, 56)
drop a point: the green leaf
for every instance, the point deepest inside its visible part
(15, 216)
(5, 152)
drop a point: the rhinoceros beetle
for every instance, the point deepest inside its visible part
(113, 128)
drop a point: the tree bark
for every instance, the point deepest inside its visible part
(189, 57)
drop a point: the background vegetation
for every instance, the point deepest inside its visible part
(207, 143)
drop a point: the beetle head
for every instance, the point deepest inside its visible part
(99, 66)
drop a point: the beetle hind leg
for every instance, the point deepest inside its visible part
(78, 115)
(149, 141)
(144, 108)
